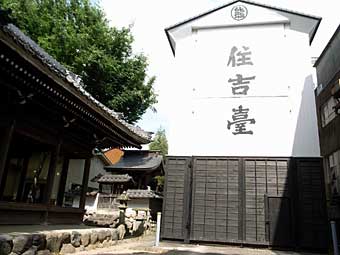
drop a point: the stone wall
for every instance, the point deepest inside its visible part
(59, 241)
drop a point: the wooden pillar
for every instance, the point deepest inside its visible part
(85, 182)
(23, 174)
(51, 173)
(4, 178)
(62, 184)
(5, 143)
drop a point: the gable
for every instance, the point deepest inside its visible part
(241, 14)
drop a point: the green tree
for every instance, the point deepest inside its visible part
(77, 34)
(160, 142)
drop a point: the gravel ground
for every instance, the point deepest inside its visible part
(145, 246)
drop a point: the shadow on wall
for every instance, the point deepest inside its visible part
(281, 221)
(306, 138)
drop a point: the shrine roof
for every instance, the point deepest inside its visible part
(138, 161)
(142, 193)
(74, 82)
(114, 178)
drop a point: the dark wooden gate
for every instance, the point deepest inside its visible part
(280, 229)
(215, 200)
(176, 199)
(262, 201)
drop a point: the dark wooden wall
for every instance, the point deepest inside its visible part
(275, 202)
(174, 207)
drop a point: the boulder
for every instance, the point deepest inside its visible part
(138, 228)
(114, 234)
(39, 240)
(93, 237)
(31, 251)
(129, 224)
(64, 237)
(21, 243)
(107, 234)
(75, 238)
(121, 231)
(67, 248)
(80, 248)
(43, 252)
(53, 243)
(85, 239)
(6, 244)
(90, 247)
(101, 235)
(106, 243)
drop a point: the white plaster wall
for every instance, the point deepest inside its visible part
(280, 98)
(76, 169)
(75, 172)
(138, 203)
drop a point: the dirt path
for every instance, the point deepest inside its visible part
(145, 246)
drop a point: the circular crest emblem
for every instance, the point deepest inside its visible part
(239, 12)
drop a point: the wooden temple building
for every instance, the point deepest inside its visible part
(132, 179)
(141, 165)
(47, 119)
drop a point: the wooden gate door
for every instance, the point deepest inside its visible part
(263, 201)
(176, 199)
(215, 214)
(262, 177)
(280, 222)
(228, 197)
(312, 217)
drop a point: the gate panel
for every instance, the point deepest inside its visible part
(263, 177)
(265, 201)
(174, 218)
(215, 200)
(280, 222)
(312, 217)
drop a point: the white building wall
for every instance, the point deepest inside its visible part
(280, 98)
(76, 170)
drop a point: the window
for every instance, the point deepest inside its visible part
(327, 111)
(334, 172)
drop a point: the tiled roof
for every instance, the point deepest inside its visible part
(138, 160)
(142, 193)
(113, 178)
(72, 79)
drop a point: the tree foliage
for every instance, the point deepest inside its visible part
(160, 142)
(78, 35)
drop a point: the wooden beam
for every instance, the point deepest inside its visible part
(51, 173)
(6, 138)
(85, 183)
(62, 184)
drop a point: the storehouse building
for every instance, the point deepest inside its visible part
(245, 165)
